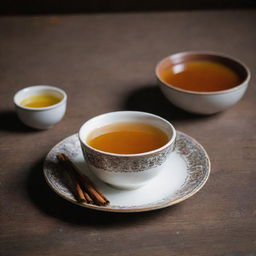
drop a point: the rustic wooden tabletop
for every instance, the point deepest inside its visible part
(105, 62)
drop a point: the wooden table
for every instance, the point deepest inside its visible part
(105, 63)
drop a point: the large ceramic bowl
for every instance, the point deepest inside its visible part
(203, 102)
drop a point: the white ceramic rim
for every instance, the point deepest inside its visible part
(245, 81)
(38, 87)
(172, 139)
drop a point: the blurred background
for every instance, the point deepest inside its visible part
(30, 7)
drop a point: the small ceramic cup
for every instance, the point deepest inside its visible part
(126, 171)
(43, 117)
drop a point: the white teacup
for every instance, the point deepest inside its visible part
(43, 117)
(126, 171)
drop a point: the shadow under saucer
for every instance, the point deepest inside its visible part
(53, 205)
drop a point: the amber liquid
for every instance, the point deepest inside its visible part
(127, 138)
(40, 101)
(201, 76)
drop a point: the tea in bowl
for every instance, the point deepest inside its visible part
(40, 106)
(202, 82)
(126, 149)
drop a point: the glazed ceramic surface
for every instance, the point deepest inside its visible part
(127, 171)
(184, 173)
(45, 117)
(203, 102)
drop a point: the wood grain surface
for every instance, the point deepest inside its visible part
(106, 62)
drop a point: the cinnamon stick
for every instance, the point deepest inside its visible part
(88, 198)
(76, 188)
(90, 191)
(91, 186)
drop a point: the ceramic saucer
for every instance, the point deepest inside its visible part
(184, 173)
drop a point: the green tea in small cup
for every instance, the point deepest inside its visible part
(40, 106)
(40, 101)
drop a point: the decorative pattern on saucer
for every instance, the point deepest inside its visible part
(198, 164)
(126, 164)
(196, 169)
